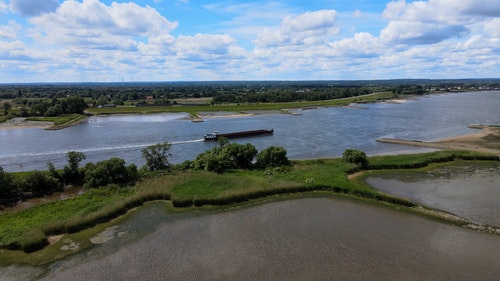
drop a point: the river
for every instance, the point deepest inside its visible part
(323, 132)
(470, 191)
(296, 239)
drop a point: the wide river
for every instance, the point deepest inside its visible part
(324, 132)
(297, 239)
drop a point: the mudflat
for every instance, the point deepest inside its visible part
(299, 239)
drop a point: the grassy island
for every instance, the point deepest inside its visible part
(32, 229)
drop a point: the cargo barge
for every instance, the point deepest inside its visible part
(216, 135)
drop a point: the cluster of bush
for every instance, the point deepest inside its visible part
(16, 187)
(237, 156)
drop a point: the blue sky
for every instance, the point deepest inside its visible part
(174, 40)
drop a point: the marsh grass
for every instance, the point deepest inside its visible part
(28, 229)
(410, 161)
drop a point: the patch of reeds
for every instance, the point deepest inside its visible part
(412, 161)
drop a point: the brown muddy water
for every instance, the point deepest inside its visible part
(471, 191)
(296, 239)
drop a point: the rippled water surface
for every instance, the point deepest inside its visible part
(325, 132)
(301, 239)
(469, 191)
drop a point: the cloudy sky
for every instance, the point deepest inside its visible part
(172, 40)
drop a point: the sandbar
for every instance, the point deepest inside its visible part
(22, 123)
(487, 140)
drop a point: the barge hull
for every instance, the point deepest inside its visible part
(215, 136)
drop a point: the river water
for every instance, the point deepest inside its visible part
(471, 191)
(324, 132)
(297, 239)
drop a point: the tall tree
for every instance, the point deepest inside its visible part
(6, 106)
(156, 156)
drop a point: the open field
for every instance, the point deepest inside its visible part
(194, 109)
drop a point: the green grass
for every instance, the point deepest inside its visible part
(61, 121)
(193, 110)
(28, 229)
(15, 226)
(409, 161)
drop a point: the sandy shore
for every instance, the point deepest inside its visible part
(229, 114)
(487, 140)
(21, 123)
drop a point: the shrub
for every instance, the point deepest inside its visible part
(39, 184)
(112, 171)
(355, 156)
(226, 156)
(272, 156)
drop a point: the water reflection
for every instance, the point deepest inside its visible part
(469, 191)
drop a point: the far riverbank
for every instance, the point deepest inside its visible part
(487, 140)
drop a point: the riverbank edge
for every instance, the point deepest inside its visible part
(80, 120)
(468, 142)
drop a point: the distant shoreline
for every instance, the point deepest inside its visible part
(487, 140)
(21, 123)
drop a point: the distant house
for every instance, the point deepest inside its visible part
(106, 105)
(149, 98)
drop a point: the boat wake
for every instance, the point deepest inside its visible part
(93, 149)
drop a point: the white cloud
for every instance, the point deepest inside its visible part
(423, 22)
(33, 7)
(362, 45)
(9, 31)
(88, 40)
(3, 7)
(357, 14)
(305, 29)
(203, 46)
(493, 27)
(92, 24)
(489, 8)
(414, 32)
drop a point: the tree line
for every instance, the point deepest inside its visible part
(20, 186)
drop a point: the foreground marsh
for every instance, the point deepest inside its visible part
(295, 239)
(28, 229)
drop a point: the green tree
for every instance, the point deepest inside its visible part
(75, 104)
(39, 184)
(112, 171)
(226, 156)
(237, 156)
(6, 106)
(355, 156)
(9, 192)
(71, 172)
(273, 156)
(156, 156)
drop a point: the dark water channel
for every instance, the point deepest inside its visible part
(469, 191)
